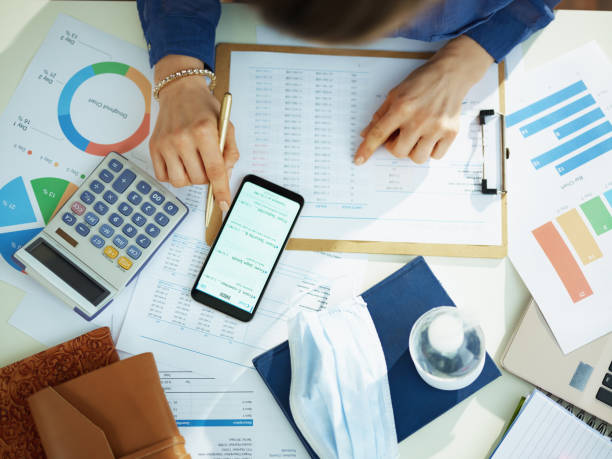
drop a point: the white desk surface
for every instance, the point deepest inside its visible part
(491, 289)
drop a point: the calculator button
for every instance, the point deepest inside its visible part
(111, 252)
(143, 241)
(96, 187)
(157, 197)
(161, 219)
(138, 219)
(106, 230)
(124, 180)
(115, 165)
(106, 176)
(116, 219)
(148, 208)
(87, 197)
(82, 229)
(143, 187)
(125, 209)
(607, 381)
(129, 230)
(101, 208)
(124, 263)
(171, 208)
(91, 219)
(134, 252)
(69, 219)
(110, 197)
(77, 208)
(97, 241)
(604, 395)
(120, 241)
(152, 230)
(134, 198)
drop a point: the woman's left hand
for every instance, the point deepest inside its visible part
(420, 117)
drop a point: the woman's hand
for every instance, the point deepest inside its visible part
(185, 142)
(420, 117)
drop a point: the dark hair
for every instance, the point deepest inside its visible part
(335, 20)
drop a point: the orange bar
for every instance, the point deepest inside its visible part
(563, 261)
(582, 240)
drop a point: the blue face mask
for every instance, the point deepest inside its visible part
(339, 396)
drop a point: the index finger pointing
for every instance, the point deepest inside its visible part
(375, 137)
(215, 170)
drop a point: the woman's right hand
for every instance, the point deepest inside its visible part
(184, 145)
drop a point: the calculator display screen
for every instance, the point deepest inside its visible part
(68, 272)
(248, 247)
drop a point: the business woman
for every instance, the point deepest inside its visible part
(419, 118)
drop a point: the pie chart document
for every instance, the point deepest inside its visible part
(84, 94)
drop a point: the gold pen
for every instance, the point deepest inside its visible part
(224, 116)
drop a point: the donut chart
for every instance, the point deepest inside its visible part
(67, 125)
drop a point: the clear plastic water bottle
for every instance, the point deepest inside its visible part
(447, 348)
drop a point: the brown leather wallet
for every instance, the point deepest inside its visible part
(119, 411)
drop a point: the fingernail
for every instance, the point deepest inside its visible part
(224, 206)
(359, 160)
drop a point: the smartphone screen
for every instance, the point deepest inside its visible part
(244, 255)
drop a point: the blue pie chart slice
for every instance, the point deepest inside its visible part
(15, 205)
(13, 241)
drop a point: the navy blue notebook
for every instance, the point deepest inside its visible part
(394, 304)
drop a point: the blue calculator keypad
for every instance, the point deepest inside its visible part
(143, 241)
(97, 241)
(124, 180)
(96, 187)
(91, 219)
(138, 219)
(106, 230)
(157, 197)
(100, 208)
(115, 219)
(125, 208)
(134, 252)
(115, 165)
(82, 229)
(148, 208)
(120, 241)
(170, 208)
(110, 197)
(134, 198)
(152, 230)
(143, 187)
(161, 219)
(106, 176)
(87, 197)
(129, 230)
(69, 219)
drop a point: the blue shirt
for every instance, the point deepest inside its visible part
(187, 27)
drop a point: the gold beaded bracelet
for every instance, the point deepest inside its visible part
(183, 73)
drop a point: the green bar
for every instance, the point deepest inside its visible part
(597, 214)
(110, 67)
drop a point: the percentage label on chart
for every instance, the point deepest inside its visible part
(22, 123)
(47, 76)
(69, 37)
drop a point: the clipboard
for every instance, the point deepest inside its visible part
(223, 68)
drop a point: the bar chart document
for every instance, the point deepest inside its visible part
(560, 201)
(298, 119)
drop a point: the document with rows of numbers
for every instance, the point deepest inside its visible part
(298, 119)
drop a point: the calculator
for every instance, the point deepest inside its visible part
(102, 236)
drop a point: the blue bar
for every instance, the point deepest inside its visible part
(214, 422)
(579, 123)
(585, 157)
(608, 195)
(571, 145)
(558, 115)
(544, 104)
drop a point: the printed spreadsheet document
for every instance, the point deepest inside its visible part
(298, 119)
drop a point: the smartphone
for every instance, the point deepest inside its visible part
(243, 257)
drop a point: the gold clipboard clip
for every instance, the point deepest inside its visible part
(504, 152)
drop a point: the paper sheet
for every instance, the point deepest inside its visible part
(298, 119)
(164, 319)
(50, 134)
(560, 199)
(543, 428)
